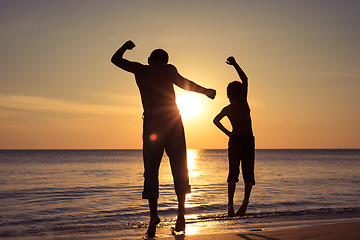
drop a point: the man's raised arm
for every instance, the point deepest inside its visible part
(119, 60)
(186, 84)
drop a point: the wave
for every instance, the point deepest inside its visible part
(111, 220)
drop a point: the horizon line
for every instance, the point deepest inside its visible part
(112, 149)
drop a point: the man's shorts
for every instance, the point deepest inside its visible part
(241, 149)
(160, 135)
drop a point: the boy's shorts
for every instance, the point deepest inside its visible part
(241, 149)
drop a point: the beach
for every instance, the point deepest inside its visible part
(347, 230)
(333, 231)
(338, 231)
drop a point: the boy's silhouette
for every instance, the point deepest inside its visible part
(162, 127)
(241, 142)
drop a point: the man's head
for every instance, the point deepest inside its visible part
(158, 56)
(234, 90)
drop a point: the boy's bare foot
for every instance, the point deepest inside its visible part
(242, 209)
(152, 227)
(231, 212)
(180, 223)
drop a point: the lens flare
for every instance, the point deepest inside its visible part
(153, 137)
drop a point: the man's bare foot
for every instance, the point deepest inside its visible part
(180, 223)
(242, 209)
(231, 212)
(152, 227)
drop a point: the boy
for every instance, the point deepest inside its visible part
(241, 142)
(162, 128)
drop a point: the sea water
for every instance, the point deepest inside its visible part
(57, 193)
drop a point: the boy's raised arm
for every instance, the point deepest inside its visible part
(119, 60)
(241, 73)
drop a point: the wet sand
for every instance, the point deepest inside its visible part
(338, 231)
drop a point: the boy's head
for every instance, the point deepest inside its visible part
(158, 56)
(234, 90)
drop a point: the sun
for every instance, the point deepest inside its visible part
(189, 105)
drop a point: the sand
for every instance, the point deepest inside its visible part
(339, 231)
(335, 231)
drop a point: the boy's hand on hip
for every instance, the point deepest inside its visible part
(231, 134)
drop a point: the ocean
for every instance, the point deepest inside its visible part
(59, 194)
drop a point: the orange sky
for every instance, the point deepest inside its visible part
(59, 89)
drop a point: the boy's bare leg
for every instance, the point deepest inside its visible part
(180, 222)
(231, 192)
(242, 209)
(154, 218)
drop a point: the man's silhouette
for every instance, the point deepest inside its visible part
(162, 127)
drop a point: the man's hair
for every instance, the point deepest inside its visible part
(160, 56)
(234, 90)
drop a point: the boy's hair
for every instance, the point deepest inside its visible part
(160, 56)
(234, 90)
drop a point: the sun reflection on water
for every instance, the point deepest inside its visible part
(192, 229)
(192, 155)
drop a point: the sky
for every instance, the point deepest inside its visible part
(59, 89)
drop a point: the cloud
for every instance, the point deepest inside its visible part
(41, 104)
(344, 74)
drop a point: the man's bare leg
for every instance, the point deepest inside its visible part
(180, 222)
(154, 218)
(231, 192)
(242, 209)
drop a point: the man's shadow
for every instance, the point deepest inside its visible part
(243, 236)
(248, 236)
(179, 237)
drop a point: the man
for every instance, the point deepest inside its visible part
(162, 127)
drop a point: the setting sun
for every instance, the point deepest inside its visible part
(189, 105)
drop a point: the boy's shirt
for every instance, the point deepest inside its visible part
(239, 115)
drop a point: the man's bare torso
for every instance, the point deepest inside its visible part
(156, 87)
